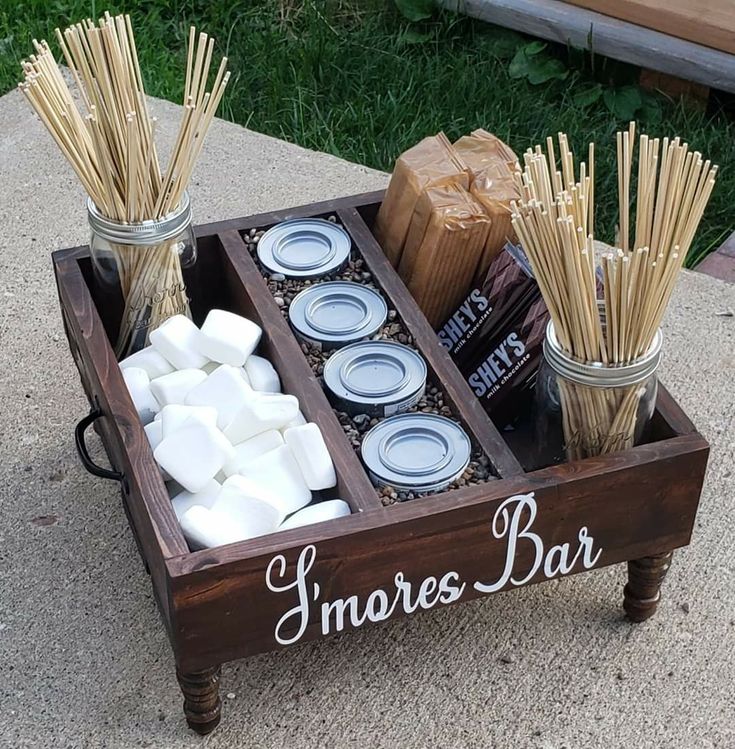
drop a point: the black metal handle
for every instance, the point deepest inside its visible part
(84, 456)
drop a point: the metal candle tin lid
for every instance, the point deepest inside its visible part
(337, 312)
(375, 372)
(417, 451)
(304, 248)
(597, 374)
(153, 231)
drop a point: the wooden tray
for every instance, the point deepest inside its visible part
(272, 592)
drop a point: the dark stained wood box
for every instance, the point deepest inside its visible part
(526, 527)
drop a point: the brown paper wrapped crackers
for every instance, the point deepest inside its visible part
(431, 162)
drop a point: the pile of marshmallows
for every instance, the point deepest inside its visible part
(244, 458)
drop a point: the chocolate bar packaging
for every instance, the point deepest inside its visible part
(495, 335)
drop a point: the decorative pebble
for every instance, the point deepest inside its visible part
(177, 339)
(228, 338)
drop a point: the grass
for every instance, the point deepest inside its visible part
(354, 79)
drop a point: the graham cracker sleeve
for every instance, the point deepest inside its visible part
(431, 162)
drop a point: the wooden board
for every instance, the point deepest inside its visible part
(228, 602)
(631, 508)
(707, 22)
(587, 29)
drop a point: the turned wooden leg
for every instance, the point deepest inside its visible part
(202, 705)
(643, 591)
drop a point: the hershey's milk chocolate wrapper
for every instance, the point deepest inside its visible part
(496, 335)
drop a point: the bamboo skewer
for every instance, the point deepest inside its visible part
(554, 220)
(110, 145)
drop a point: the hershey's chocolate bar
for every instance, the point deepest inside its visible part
(496, 335)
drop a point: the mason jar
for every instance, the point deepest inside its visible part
(143, 262)
(584, 409)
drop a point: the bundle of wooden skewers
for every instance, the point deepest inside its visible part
(554, 220)
(110, 145)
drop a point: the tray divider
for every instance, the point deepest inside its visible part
(261, 220)
(672, 412)
(453, 384)
(295, 368)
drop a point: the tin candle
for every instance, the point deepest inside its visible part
(378, 378)
(304, 248)
(336, 313)
(416, 452)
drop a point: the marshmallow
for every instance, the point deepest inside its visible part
(176, 339)
(150, 360)
(224, 390)
(203, 529)
(228, 338)
(247, 506)
(316, 513)
(210, 366)
(262, 375)
(252, 448)
(311, 453)
(141, 392)
(174, 387)
(154, 433)
(280, 476)
(175, 416)
(193, 455)
(206, 498)
(263, 411)
(297, 421)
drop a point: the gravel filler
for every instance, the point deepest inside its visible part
(355, 427)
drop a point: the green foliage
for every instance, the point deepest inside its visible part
(503, 43)
(352, 78)
(415, 10)
(531, 63)
(587, 94)
(624, 103)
